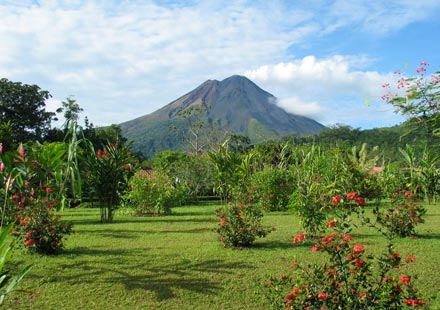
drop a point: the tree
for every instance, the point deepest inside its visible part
(71, 111)
(421, 98)
(24, 106)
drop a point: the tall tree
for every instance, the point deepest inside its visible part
(24, 106)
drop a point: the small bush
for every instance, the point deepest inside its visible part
(153, 193)
(403, 216)
(41, 230)
(240, 225)
(271, 188)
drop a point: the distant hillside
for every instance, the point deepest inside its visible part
(235, 105)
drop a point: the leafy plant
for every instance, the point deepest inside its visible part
(350, 278)
(8, 281)
(240, 224)
(271, 188)
(152, 193)
(108, 173)
(403, 216)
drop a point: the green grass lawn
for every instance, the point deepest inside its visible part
(176, 262)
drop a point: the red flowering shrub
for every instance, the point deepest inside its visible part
(351, 278)
(30, 203)
(41, 229)
(402, 217)
(240, 225)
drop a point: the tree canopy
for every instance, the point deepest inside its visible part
(23, 106)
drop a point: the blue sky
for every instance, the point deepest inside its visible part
(124, 59)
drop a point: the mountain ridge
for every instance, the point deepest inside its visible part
(236, 105)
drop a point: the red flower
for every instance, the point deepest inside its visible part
(347, 238)
(410, 259)
(336, 199)
(49, 190)
(360, 201)
(358, 262)
(416, 219)
(29, 234)
(331, 223)
(29, 242)
(414, 302)
(315, 248)
(322, 296)
(405, 280)
(223, 221)
(351, 196)
(358, 248)
(298, 238)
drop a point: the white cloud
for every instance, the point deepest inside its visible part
(136, 56)
(328, 89)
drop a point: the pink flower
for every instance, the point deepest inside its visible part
(386, 85)
(434, 79)
(2, 167)
(21, 150)
(424, 63)
(1, 148)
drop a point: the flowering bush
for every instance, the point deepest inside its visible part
(40, 229)
(30, 203)
(240, 225)
(402, 217)
(351, 278)
(347, 281)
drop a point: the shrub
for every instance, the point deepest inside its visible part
(350, 278)
(240, 225)
(402, 217)
(40, 229)
(152, 193)
(271, 188)
(30, 204)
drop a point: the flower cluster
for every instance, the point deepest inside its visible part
(351, 278)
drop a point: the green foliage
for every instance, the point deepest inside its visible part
(349, 278)
(8, 281)
(271, 188)
(108, 172)
(23, 106)
(240, 224)
(153, 193)
(402, 217)
(178, 262)
(41, 230)
(420, 100)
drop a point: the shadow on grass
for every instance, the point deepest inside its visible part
(427, 236)
(163, 279)
(138, 233)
